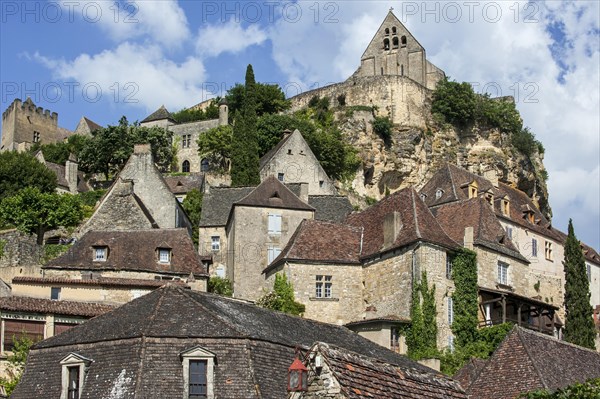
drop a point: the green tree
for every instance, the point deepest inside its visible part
(456, 102)
(270, 99)
(465, 297)
(244, 147)
(193, 207)
(16, 364)
(215, 145)
(422, 334)
(282, 297)
(34, 212)
(59, 152)
(191, 115)
(221, 286)
(19, 170)
(587, 390)
(579, 326)
(109, 148)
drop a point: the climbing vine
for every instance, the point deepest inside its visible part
(465, 297)
(422, 335)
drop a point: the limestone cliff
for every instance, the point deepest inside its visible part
(415, 153)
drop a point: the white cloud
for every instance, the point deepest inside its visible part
(229, 37)
(143, 76)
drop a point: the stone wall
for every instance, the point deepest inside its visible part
(248, 244)
(205, 248)
(487, 271)
(190, 152)
(346, 303)
(21, 255)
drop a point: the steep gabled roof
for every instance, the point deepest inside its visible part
(134, 250)
(48, 306)
(454, 217)
(159, 115)
(390, 19)
(186, 183)
(271, 153)
(416, 223)
(271, 193)
(527, 360)
(217, 203)
(321, 242)
(360, 377)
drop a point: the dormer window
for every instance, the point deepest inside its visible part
(100, 254)
(198, 373)
(505, 207)
(74, 369)
(164, 255)
(438, 193)
(473, 189)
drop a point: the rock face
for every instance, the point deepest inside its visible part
(415, 153)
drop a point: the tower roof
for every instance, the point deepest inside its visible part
(159, 115)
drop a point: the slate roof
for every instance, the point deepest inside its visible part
(158, 115)
(272, 193)
(378, 319)
(418, 223)
(48, 306)
(217, 204)
(271, 153)
(332, 208)
(321, 242)
(454, 217)
(133, 251)
(528, 360)
(186, 183)
(59, 171)
(100, 281)
(137, 347)
(364, 377)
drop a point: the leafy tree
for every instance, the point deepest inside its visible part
(32, 211)
(19, 170)
(16, 364)
(579, 326)
(91, 198)
(191, 115)
(587, 390)
(455, 101)
(270, 129)
(59, 152)
(422, 335)
(524, 141)
(193, 207)
(215, 145)
(109, 148)
(270, 99)
(244, 147)
(282, 297)
(221, 286)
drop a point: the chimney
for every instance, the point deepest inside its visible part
(468, 239)
(492, 176)
(391, 228)
(287, 133)
(223, 113)
(71, 167)
(304, 192)
(141, 149)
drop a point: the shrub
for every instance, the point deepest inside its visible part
(221, 286)
(382, 125)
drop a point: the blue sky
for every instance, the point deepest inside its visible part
(105, 59)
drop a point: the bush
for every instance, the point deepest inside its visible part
(52, 251)
(382, 125)
(524, 141)
(282, 297)
(588, 390)
(456, 102)
(221, 286)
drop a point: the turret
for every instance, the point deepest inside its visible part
(223, 112)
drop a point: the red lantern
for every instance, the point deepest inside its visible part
(297, 377)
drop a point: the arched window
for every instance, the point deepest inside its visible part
(395, 42)
(393, 30)
(185, 166)
(387, 31)
(386, 44)
(403, 41)
(204, 165)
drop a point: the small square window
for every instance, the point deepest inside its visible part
(549, 251)
(55, 293)
(164, 255)
(321, 183)
(100, 254)
(215, 244)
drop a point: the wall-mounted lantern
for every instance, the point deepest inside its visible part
(297, 377)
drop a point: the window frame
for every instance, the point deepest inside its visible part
(534, 248)
(450, 310)
(53, 291)
(71, 362)
(503, 273)
(198, 353)
(323, 286)
(272, 254)
(97, 251)
(164, 251)
(215, 243)
(448, 266)
(274, 223)
(549, 251)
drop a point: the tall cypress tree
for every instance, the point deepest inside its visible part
(244, 148)
(579, 326)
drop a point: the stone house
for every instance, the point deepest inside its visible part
(337, 373)
(292, 161)
(174, 342)
(185, 136)
(526, 361)
(139, 198)
(181, 185)
(524, 226)
(68, 177)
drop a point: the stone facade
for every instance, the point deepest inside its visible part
(23, 124)
(21, 255)
(250, 243)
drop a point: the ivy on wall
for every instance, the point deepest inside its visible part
(422, 335)
(465, 297)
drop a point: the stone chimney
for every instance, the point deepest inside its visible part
(223, 113)
(468, 239)
(492, 176)
(391, 228)
(304, 192)
(71, 167)
(287, 133)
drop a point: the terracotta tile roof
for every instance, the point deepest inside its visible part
(158, 115)
(133, 251)
(332, 208)
(101, 281)
(527, 360)
(48, 306)
(454, 217)
(217, 203)
(271, 193)
(186, 183)
(322, 242)
(417, 223)
(363, 377)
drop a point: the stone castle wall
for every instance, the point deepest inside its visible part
(21, 255)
